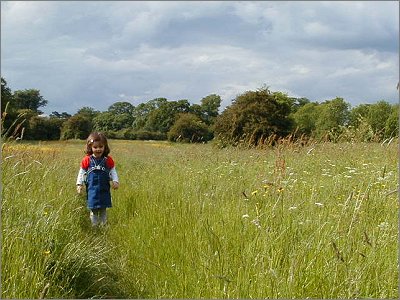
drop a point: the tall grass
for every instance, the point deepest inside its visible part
(48, 248)
(195, 221)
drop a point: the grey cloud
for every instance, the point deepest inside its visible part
(90, 53)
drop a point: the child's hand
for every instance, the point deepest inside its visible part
(115, 185)
(79, 188)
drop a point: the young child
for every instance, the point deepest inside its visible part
(96, 171)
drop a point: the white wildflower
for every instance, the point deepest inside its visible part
(383, 225)
(257, 223)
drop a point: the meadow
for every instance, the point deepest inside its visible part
(197, 221)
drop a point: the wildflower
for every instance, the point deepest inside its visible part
(46, 252)
(292, 207)
(257, 223)
(253, 193)
(318, 204)
(245, 216)
(383, 225)
(267, 182)
(280, 189)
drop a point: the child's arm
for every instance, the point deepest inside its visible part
(114, 178)
(80, 180)
(113, 173)
(82, 172)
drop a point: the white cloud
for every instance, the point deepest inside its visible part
(99, 52)
(300, 69)
(316, 29)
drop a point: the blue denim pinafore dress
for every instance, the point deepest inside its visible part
(98, 184)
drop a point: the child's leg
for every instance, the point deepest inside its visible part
(94, 217)
(103, 216)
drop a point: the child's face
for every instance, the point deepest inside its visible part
(98, 149)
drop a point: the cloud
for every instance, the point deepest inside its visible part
(95, 53)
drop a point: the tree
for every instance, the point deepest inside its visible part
(6, 95)
(119, 108)
(197, 110)
(16, 123)
(43, 128)
(378, 114)
(253, 116)
(189, 128)
(8, 115)
(122, 121)
(88, 112)
(305, 118)
(28, 99)
(56, 115)
(358, 113)
(21, 105)
(142, 111)
(209, 108)
(122, 115)
(162, 118)
(78, 126)
(298, 103)
(108, 121)
(103, 121)
(392, 123)
(331, 115)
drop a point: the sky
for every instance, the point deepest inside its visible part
(95, 53)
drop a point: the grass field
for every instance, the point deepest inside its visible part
(196, 221)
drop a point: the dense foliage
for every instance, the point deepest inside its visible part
(189, 128)
(253, 117)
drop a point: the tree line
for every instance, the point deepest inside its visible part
(252, 117)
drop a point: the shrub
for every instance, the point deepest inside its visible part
(254, 116)
(150, 135)
(189, 128)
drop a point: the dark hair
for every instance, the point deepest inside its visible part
(97, 137)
